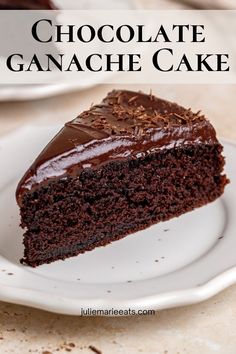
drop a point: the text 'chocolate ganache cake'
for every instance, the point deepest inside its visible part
(26, 5)
(121, 166)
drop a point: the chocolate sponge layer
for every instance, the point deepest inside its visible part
(74, 214)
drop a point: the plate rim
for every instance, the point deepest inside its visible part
(65, 305)
(157, 302)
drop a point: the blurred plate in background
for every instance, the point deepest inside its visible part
(30, 92)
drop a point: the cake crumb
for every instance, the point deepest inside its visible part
(46, 352)
(95, 350)
(72, 345)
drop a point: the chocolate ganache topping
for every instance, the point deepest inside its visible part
(125, 125)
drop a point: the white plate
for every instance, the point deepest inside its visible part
(182, 261)
(29, 92)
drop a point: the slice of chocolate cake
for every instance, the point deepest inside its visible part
(26, 5)
(121, 166)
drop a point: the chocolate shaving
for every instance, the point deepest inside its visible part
(122, 111)
(132, 99)
(95, 350)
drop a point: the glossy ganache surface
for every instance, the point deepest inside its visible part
(125, 125)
